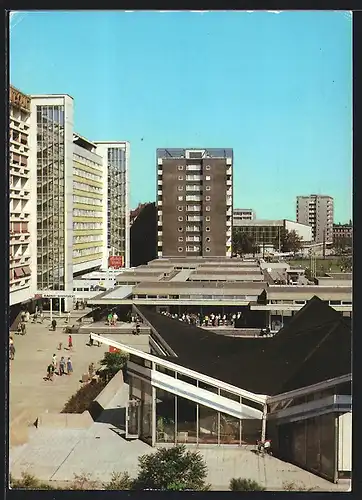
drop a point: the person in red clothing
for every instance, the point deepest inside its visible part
(70, 342)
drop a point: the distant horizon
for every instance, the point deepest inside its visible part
(277, 88)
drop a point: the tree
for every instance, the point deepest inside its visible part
(288, 241)
(172, 469)
(242, 243)
(113, 362)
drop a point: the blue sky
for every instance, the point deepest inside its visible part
(275, 87)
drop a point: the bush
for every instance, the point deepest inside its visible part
(81, 400)
(172, 469)
(239, 484)
(119, 481)
(29, 482)
(83, 482)
(112, 363)
(292, 486)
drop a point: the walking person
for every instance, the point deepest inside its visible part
(90, 340)
(41, 316)
(69, 366)
(54, 361)
(23, 328)
(70, 342)
(54, 324)
(50, 372)
(62, 366)
(11, 348)
(109, 319)
(115, 318)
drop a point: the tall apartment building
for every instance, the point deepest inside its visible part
(52, 142)
(194, 202)
(116, 162)
(89, 207)
(242, 214)
(22, 176)
(317, 211)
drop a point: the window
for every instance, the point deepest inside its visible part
(208, 208)
(180, 198)
(179, 208)
(180, 238)
(207, 218)
(207, 249)
(180, 229)
(180, 249)
(208, 239)
(208, 198)
(180, 167)
(180, 177)
(208, 188)
(180, 188)
(207, 228)
(208, 167)
(180, 219)
(208, 178)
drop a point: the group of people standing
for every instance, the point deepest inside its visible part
(206, 320)
(64, 367)
(112, 319)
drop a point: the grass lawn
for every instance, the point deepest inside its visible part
(328, 265)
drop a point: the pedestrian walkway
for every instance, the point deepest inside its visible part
(30, 395)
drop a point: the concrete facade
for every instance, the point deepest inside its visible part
(22, 176)
(241, 214)
(194, 202)
(317, 211)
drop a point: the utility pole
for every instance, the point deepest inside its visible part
(324, 243)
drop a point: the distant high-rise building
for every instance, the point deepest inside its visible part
(22, 176)
(194, 202)
(116, 162)
(242, 214)
(317, 211)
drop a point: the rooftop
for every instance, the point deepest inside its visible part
(292, 356)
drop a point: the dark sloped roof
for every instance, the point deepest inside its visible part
(304, 352)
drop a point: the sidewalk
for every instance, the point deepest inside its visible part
(29, 393)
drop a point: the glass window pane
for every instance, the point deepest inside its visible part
(146, 412)
(250, 430)
(208, 425)
(229, 429)
(165, 417)
(186, 421)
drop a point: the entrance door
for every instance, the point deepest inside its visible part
(133, 419)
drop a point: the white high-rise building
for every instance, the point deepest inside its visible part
(116, 156)
(316, 210)
(22, 176)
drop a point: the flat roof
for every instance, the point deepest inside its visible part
(308, 291)
(199, 288)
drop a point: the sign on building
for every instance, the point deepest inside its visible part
(54, 294)
(116, 261)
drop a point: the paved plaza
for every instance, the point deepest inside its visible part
(30, 394)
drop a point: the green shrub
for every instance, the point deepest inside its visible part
(240, 484)
(83, 481)
(29, 482)
(81, 400)
(112, 363)
(292, 486)
(172, 468)
(119, 481)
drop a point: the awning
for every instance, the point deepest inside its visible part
(26, 271)
(18, 272)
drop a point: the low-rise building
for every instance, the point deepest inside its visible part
(267, 233)
(294, 389)
(342, 233)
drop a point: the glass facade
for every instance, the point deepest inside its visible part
(117, 201)
(179, 420)
(50, 197)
